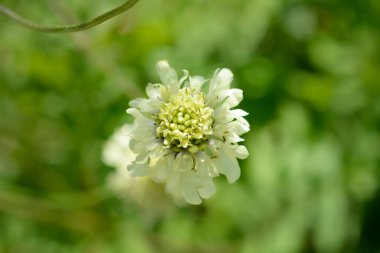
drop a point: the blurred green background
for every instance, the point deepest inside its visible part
(310, 75)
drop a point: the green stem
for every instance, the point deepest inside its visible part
(67, 28)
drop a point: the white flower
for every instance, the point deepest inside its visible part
(117, 154)
(116, 151)
(185, 132)
(140, 190)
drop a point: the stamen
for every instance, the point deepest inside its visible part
(185, 121)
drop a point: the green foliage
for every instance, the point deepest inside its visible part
(309, 72)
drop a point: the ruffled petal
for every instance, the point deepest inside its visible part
(173, 185)
(232, 97)
(196, 82)
(207, 190)
(218, 85)
(184, 77)
(227, 164)
(153, 91)
(181, 163)
(185, 181)
(142, 104)
(189, 187)
(140, 145)
(207, 187)
(238, 128)
(168, 76)
(163, 169)
(241, 152)
(143, 126)
(238, 113)
(221, 80)
(139, 169)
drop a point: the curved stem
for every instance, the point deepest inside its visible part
(67, 28)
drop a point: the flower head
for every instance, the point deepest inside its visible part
(185, 132)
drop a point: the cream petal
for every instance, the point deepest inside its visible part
(183, 161)
(137, 146)
(238, 113)
(223, 115)
(230, 132)
(143, 131)
(225, 98)
(184, 77)
(139, 169)
(196, 82)
(184, 181)
(221, 80)
(168, 76)
(134, 112)
(207, 190)
(234, 97)
(157, 150)
(143, 127)
(233, 137)
(163, 168)
(220, 130)
(243, 122)
(237, 127)
(191, 197)
(241, 152)
(227, 164)
(219, 84)
(139, 117)
(153, 91)
(173, 184)
(142, 158)
(189, 183)
(142, 104)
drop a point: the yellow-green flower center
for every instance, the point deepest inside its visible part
(185, 121)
